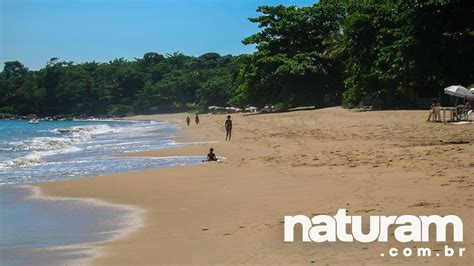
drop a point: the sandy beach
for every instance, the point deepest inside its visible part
(306, 162)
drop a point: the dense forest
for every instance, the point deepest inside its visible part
(154, 83)
(384, 54)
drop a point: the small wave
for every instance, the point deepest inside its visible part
(40, 155)
(72, 135)
(40, 147)
(30, 159)
(124, 144)
(35, 158)
(39, 144)
(81, 130)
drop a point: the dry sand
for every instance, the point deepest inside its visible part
(307, 162)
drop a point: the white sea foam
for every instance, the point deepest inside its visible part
(40, 147)
(40, 143)
(47, 146)
(35, 158)
(133, 220)
(174, 143)
(86, 130)
(58, 153)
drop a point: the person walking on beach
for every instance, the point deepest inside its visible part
(196, 119)
(188, 120)
(228, 128)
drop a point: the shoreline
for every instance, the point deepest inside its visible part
(88, 246)
(122, 219)
(136, 214)
(359, 161)
(95, 249)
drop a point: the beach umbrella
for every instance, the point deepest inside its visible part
(458, 91)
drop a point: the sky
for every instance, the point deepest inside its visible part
(34, 31)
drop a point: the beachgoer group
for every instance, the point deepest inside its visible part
(211, 156)
(456, 112)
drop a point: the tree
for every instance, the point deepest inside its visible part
(14, 69)
(289, 65)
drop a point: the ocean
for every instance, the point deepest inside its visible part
(51, 231)
(49, 151)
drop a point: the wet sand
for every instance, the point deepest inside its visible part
(42, 230)
(307, 162)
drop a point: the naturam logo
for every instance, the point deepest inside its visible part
(409, 228)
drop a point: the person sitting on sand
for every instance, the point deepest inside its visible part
(467, 107)
(228, 128)
(433, 111)
(196, 119)
(188, 120)
(211, 156)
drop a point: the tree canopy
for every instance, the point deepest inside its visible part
(154, 83)
(385, 54)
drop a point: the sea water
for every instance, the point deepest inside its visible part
(49, 151)
(35, 231)
(53, 231)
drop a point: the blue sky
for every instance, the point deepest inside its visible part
(33, 31)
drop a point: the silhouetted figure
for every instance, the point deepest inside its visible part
(211, 156)
(196, 119)
(188, 120)
(228, 128)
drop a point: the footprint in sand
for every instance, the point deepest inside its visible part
(425, 204)
(365, 210)
(459, 179)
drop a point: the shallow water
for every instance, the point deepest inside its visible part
(48, 231)
(53, 231)
(51, 151)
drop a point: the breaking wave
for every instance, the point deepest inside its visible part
(67, 141)
(51, 151)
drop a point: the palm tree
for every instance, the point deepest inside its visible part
(335, 45)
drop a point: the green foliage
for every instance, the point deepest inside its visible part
(384, 54)
(120, 110)
(403, 50)
(281, 107)
(289, 66)
(154, 83)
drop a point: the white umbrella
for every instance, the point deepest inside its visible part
(458, 91)
(471, 90)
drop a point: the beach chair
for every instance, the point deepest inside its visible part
(463, 115)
